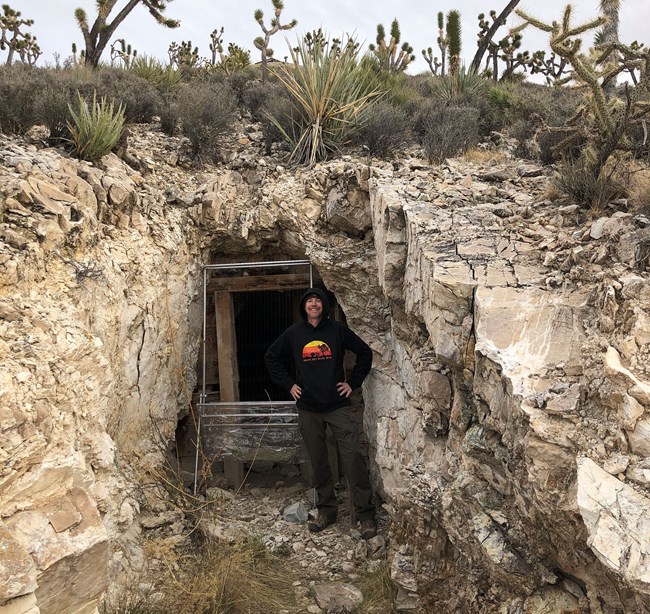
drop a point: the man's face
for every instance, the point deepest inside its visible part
(314, 307)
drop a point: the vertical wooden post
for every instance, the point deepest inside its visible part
(228, 372)
(226, 347)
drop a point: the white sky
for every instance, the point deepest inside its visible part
(55, 26)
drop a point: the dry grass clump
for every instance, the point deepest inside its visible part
(215, 578)
(379, 592)
(483, 156)
(640, 191)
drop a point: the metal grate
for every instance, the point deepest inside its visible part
(237, 425)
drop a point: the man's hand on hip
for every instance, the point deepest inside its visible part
(295, 392)
(344, 389)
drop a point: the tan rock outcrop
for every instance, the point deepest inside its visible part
(511, 363)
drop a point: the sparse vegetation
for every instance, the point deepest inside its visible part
(206, 113)
(449, 131)
(385, 130)
(379, 592)
(211, 577)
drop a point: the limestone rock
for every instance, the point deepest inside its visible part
(618, 523)
(336, 595)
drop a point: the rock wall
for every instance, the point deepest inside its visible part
(507, 410)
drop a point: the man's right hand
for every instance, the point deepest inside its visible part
(295, 392)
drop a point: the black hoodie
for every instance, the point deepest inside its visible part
(317, 353)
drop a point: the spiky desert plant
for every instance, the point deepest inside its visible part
(330, 92)
(434, 63)
(389, 55)
(456, 84)
(95, 129)
(96, 37)
(262, 42)
(603, 124)
(454, 41)
(609, 38)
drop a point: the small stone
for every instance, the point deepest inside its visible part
(296, 513)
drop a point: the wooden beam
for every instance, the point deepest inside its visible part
(226, 347)
(254, 283)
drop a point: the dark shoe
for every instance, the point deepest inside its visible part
(320, 522)
(368, 528)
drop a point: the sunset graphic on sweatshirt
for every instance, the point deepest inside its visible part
(316, 350)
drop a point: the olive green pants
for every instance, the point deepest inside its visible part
(346, 432)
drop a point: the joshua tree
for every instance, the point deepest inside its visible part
(609, 38)
(434, 63)
(121, 50)
(97, 37)
(388, 56)
(454, 44)
(486, 37)
(262, 42)
(11, 38)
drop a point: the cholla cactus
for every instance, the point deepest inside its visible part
(262, 42)
(604, 123)
(389, 57)
(15, 41)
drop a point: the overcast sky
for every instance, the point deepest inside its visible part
(55, 26)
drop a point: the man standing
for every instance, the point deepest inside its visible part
(316, 347)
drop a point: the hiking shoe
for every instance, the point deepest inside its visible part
(320, 522)
(368, 528)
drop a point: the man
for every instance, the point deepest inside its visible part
(316, 347)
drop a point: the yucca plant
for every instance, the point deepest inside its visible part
(166, 78)
(95, 129)
(458, 83)
(330, 94)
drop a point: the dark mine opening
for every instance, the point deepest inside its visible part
(259, 318)
(241, 420)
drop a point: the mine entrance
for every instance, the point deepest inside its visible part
(240, 414)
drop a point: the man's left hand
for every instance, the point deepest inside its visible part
(344, 389)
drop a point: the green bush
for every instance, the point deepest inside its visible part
(385, 130)
(449, 131)
(95, 129)
(206, 112)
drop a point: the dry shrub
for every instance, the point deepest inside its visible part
(385, 130)
(589, 188)
(207, 112)
(20, 88)
(449, 131)
(138, 96)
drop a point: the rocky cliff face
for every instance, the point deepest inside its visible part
(508, 410)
